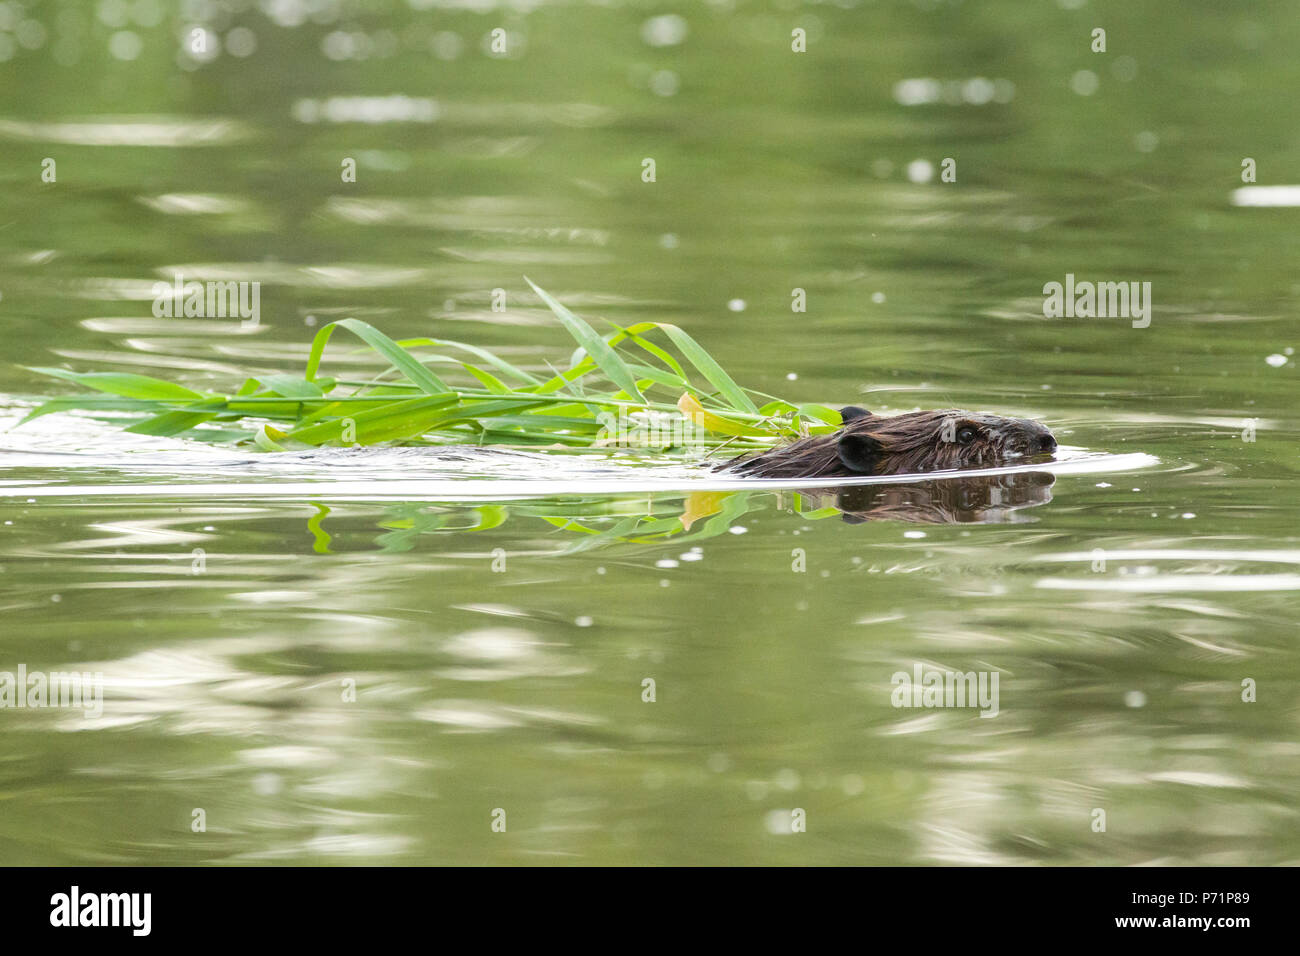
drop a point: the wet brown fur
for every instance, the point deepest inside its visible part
(911, 443)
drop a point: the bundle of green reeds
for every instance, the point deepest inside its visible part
(487, 400)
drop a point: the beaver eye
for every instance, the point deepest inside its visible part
(966, 435)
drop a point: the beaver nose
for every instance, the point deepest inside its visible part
(1044, 443)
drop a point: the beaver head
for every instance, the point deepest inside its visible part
(901, 445)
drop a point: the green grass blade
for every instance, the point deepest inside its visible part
(398, 357)
(490, 381)
(821, 413)
(171, 423)
(290, 386)
(81, 403)
(592, 343)
(125, 384)
(492, 359)
(262, 438)
(408, 419)
(634, 334)
(709, 368)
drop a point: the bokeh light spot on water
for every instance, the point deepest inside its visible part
(1146, 141)
(1084, 82)
(125, 45)
(669, 29)
(664, 83)
(241, 42)
(920, 171)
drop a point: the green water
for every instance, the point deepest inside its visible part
(498, 648)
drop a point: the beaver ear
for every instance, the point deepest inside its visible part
(858, 452)
(851, 413)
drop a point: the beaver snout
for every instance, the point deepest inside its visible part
(1034, 439)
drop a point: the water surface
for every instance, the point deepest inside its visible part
(362, 662)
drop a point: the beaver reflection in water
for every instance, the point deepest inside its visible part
(907, 444)
(969, 499)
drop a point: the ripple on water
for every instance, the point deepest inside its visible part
(161, 131)
(197, 204)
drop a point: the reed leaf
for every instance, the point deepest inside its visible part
(398, 357)
(591, 342)
(124, 384)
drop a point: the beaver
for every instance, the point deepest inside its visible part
(906, 444)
